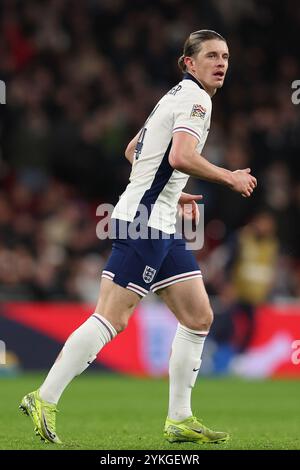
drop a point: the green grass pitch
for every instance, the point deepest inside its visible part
(110, 412)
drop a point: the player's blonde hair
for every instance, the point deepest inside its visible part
(194, 42)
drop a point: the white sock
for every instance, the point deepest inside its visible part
(79, 351)
(184, 365)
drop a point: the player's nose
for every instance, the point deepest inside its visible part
(221, 63)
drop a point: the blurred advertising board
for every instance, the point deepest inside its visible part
(33, 334)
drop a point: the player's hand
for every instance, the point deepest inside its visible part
(188, 208)
(243, 182)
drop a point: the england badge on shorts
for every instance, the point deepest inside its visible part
(148, 274)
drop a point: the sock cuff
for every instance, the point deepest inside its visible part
(200, 333)
(110, 329)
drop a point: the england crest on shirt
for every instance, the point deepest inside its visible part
(148, 274)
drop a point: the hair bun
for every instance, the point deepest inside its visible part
(181, 63)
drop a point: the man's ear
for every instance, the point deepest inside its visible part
(189, 61)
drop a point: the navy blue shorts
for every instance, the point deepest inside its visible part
(144, 265)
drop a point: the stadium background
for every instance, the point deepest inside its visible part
(81, 77)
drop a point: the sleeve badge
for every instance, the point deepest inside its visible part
(198, 111)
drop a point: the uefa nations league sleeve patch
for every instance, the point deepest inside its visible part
(198, 111)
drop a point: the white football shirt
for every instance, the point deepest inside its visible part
(153, 182)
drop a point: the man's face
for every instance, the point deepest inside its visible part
(210, 64)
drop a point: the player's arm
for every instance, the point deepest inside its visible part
(129, 152)
(184, 157)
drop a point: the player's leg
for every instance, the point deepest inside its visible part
(179, 284)
(189, 302)
(125, 280)
(114, 307)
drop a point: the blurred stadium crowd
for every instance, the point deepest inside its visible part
(81, 77)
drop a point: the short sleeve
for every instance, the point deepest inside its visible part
(192, 113)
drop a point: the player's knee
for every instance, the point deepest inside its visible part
(202, 321)
(121, 324)
(207, 319)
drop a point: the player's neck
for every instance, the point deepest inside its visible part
(210, 91)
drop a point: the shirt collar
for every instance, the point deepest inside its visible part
(188, 76)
